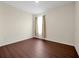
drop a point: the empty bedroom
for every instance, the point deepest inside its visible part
(39, 29)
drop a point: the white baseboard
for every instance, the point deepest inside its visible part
(59, 42)
(55, 41)
(77, 48)
(4, 43)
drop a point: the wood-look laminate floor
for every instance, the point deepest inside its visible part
(37, 48)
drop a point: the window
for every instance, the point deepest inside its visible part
(40, 27)
(39, 22)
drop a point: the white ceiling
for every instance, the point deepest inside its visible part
(35, 8)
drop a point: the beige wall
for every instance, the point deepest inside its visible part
(77, 28)
(1, 24)
(60, 24)
(15, 25)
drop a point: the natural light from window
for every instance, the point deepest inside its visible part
(39, 22)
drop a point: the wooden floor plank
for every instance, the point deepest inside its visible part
(37, 48)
